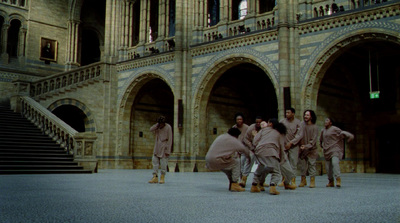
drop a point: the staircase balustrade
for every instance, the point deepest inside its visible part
(87, 74)
(50, 124)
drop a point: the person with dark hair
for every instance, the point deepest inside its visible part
(239, 119)
(292, 150)
(247, 163)
(307, 138)
(223, 155)
(331, 141)
(162, 148)
(269, 146)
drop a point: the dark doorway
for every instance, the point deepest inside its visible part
(243, 88)
(154, 98)
(92, 31)
(90, 47)
(71, 115)
(344, 94)
(12, 39)
(389, 148)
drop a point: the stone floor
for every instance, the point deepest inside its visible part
(125, 196)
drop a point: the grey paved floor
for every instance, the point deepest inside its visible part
(125, 196)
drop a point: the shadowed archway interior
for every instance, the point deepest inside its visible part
(71, 115)
(345, 94)
(155, 98)
(243, 88)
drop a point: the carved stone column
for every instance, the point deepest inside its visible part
(4, 55)
(72, 46)
(21, 46)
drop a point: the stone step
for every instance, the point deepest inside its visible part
(46, 171)
(39, 167)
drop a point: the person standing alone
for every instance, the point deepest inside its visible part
(162, 148)
(331, 141)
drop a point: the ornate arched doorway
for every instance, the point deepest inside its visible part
(346, 79)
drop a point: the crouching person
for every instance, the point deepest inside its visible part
(223, 155)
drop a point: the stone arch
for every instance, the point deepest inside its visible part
(205, 85)
(75, 7)
(90, 124)
(330, 49)
(130, 91)
(237, 56)
(5, 16)
(18, 17)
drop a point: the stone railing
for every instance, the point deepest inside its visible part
(265, 21)
(81, 145)
(69, 79)
(344, 19)
(50, 124)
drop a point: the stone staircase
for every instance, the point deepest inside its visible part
(25, 150)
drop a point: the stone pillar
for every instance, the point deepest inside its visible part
(251, 8)
(143, 22)
(21, 46)
(4, 38)
(21, 88)
(72, 45)
(224, 12)
(126, 30)
(112, 31)
(284, 54)
(163, 21)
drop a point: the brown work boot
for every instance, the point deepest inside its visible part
(154, 180)
(265, 185)
(312, 182)
(243, 181)
(331, 183)
(282, 183)
(255, 188)
(272, 190)
(338, 182)
(162, 179)
(294, 181)
(290, 186)
(261, 187)
(303, 181)
(236, 187)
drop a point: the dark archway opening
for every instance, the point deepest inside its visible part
(72, 115)
(243, 88)
(90, 47)
(1, 31)
(13, 33)
(155, 98)
(345, 94)
(92, 30)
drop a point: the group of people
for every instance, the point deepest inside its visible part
(277, 147)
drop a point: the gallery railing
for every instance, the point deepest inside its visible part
(80, 76)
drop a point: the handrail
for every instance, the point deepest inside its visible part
(50, 124)
(89, 73)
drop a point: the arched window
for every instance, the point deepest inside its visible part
(171, 24)
(266, 5)
(153, 29)
(12, 44)
(1, 33)
(136, 23)
(213, 12)
(242, 9)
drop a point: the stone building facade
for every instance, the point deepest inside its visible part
(116, 65)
